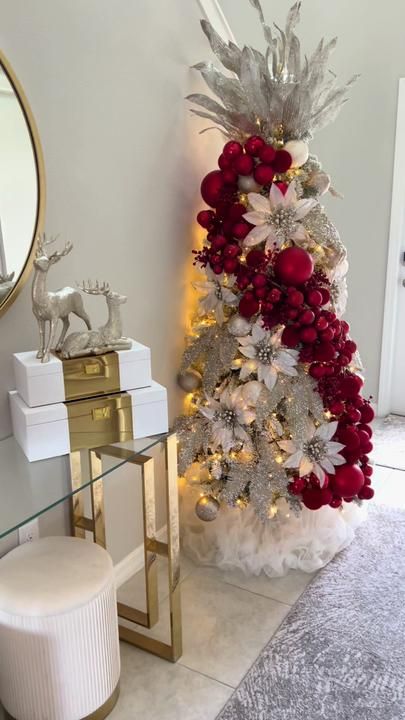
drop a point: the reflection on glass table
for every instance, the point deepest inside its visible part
(27, 490)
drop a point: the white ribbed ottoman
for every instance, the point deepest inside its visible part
(59, 651)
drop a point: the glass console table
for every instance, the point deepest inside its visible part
(27, 490)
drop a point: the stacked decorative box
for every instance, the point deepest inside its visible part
(66, 405)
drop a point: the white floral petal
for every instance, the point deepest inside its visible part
(291, 194)
(327, 465)
(276, 197)
(259, 203)
(288, 445)
(249, 351)
(303, 207)
(255, 218)
(219, 314)
(320, 474)
(207, 412)
(337, 459)
(229, 297)
(295, 460)
(270, 377)
(334, 447)
(306, 466)
(258, 333)
(257, 235)
(327, 430)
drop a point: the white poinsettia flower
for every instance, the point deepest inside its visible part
(316, 452)
(217, 294)
(277, 218)
(266, 357)
(229, 416)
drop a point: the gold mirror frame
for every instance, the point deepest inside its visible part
(40, 175)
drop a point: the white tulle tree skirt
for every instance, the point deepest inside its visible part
(237, 539)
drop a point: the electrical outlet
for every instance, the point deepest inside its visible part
(28, 532)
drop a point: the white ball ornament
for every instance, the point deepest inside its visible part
(299, 152)
(239, 326)
(247, 184)
(189, 380)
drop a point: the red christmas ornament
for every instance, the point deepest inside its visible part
(248, 305)
(307, 317)
(347, 481)
(218, 242)
(274, 295)
(243, 165)
(308, 335)
(293, 266)
(290, 337)
(314, 298)
(259, 280)
(366, 493)
(240, 230)
(312, 498)
(349, 437)
(295, 298)
(282, 162)
(212, 187)
(236, 211)
(230, 265)
(205, 218)
(336, 502)
(255, 258)
(325, 295)
(254, 144)
(366, 429)
(297, 485)
(224, 162)
(367, 413)
(368, 470)
(337, 407)
(263, 174)
(232, 149)
(351, 385)
(267, 154)
(321, 323)
(325, 352)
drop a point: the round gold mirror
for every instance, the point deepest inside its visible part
(22, 186)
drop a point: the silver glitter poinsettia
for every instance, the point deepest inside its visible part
(315, 452)
(266, 356)
(267, 90)
(277, 218)
(229, 417)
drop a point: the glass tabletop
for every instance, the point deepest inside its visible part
(29, 489)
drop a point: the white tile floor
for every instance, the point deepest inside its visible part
(227, 620)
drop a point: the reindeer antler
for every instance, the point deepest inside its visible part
(6, 278)
(43, 242)
(94, 289)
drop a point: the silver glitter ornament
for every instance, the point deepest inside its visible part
(189, 380)
(239, 326)
(206, 508)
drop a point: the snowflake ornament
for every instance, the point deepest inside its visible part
(316, 452)
(266, 356)
(277, 218)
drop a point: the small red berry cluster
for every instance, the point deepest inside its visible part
(220, 190)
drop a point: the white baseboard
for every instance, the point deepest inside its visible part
(134, 561)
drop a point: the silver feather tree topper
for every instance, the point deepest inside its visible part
(268, 91)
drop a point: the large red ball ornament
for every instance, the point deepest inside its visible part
(347, 481)
(367, 413)
(312, 498)
(293, 266)
(263, 174)
(211, 188)
(243, 165)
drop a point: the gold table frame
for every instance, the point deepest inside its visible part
(152, 547)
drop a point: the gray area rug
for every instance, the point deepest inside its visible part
(340, 653)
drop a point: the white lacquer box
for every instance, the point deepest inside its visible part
(58, 380)
(58, 429)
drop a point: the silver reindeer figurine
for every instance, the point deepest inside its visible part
(106, 338)
(49, 307)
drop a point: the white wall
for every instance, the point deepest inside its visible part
(106, 83)
(18, 182)
(358, 148)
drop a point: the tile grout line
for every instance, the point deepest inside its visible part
(209, 677)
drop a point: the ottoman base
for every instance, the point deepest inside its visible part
(98, 714)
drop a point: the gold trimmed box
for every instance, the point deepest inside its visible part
(59, 381)
(52, 430)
